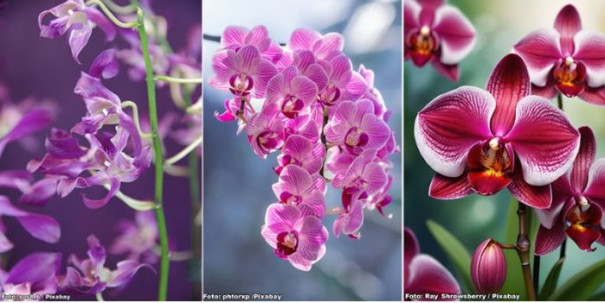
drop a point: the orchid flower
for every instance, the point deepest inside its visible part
(578, 202)
(485, 140)
(294, 236)
(90, 276)
(566, 59)
(422, 273)
(75, 17)
(438, 33)
(138, 238)
(235, 37)
(299, 188)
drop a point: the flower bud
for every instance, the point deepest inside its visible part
(488, 267)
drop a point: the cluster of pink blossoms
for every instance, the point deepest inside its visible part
(328, 122)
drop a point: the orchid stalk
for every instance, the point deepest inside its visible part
(159, 161)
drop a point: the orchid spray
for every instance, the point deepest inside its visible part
(120, 145)
(510, 136)
(304, 100)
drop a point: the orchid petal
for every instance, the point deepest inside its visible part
(540, 50)
(508, 83)
(447, 128)
(568, 23)
(590, 50)
(584, 159)
(544, 140)
(456, 32)
(427, 275)
(446, 188)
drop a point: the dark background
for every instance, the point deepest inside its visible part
(31, 66)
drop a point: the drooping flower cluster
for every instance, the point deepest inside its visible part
(327, 120)
(111, 157)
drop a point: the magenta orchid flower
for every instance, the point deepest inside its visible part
(485, 140)
(138, 238)
(294, 236)
(578, 202)
(266, 131)
(355, 127)
(39, 226)
(438, 33)
(293, 93)
(243, 72)
(423, 274)
(299, 188)
(566, 59)
(90, 276)
(35, 274)
(236, 37)
(302, 152)
(75, 17)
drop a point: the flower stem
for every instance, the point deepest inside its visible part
(99, 296)
(176, 158)
(135, 114)
(178, 80)
(159, 161)
(537, 273)
(560, 101)
(523, 250)
(562, 251)
(110, 15)
(324, 141)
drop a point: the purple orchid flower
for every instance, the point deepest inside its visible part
(300, 151)
(265, 131)
(39, 226)
(578, 202)
(295, 237)
(90, 276)
(75, 17)
(32, 275)
(354, 126)
(138, 238)
(423, 274)
(483, 141)
(236, 37)
(293, 93)
(243, 72)
(298, 187)
(566, 59)
(339, 72)
(133, 57)
(438, 33)
(20, 121)
(308, 66)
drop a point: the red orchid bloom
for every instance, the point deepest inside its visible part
(578, 202)
(566, 59)
(485, 140)
(438, 33)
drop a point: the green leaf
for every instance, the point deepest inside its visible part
(456, 252)
(551, 281)
(582, 285)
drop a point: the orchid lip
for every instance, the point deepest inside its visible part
(287, 244)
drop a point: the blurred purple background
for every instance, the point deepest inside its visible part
(31, 66)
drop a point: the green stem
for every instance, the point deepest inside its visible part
(99, 296)
(110, 15)
(191, 147)
(560, 101)
(159, 161)
(523, 251)
(127, 9)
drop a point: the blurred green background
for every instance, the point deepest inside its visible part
(499, 25)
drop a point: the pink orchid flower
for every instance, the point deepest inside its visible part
(299, 188)
(566, 59)
(235, 37)
(295, 237)
(423, 274)
(323, 47)
(485, 140)
(266, 131)
(242, 72)
(293, 93)
(578, 202)
(302, 152)
(438, 33)
(355, 127)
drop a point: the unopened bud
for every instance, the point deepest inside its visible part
(488, 267)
